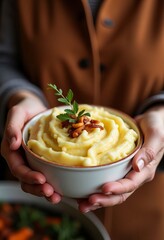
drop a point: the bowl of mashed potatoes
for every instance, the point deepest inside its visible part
(78, 158)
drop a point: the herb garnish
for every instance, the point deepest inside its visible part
(74, 120)
(72, 114)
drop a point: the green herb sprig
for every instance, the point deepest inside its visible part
(72, 114)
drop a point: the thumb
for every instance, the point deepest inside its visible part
(150, 148)
(16, 119)
(143, 157)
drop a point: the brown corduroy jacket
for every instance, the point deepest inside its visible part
(118, 62)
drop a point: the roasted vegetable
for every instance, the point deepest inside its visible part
(29, 222)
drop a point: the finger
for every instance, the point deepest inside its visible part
(19, 168)
(114, 193)
(117, 192)
(40, 190)
(15, 122)
(54, 198)
(24, 173)
(85, 206)
(153, 143)
(145, 155)
(130, 183)
(121, 186)
(97, 201)
(110, 200)
(133, 180)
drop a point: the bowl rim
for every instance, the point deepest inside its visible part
(127, 118)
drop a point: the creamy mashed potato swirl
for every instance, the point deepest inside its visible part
(50, 141)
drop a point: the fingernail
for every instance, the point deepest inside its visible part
(86, 210)
(108, 193)
(140, 164)
(96, 204)
(95, 207)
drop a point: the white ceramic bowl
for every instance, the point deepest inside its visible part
(80, 182)
(10, 192)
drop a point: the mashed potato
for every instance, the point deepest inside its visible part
(114, 141)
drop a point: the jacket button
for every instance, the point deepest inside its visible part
(108, 22)
(102, 67)
(84, 63)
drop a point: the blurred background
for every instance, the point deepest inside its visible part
(4, 171)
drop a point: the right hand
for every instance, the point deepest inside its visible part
(20, 112)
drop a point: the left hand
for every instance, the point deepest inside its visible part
(144, 164)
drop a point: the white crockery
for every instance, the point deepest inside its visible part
(11, 192)
(80, 182)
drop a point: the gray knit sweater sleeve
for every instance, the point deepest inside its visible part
(12, 78)
(150, 102)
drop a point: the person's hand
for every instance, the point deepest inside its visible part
(24, 106)
(144, 164)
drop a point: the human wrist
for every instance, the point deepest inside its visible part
(20, 96)
(158, 110)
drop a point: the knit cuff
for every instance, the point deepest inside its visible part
(150, 102)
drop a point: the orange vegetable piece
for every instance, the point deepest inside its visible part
(22, 234)
(7, 208)
(2, 224)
